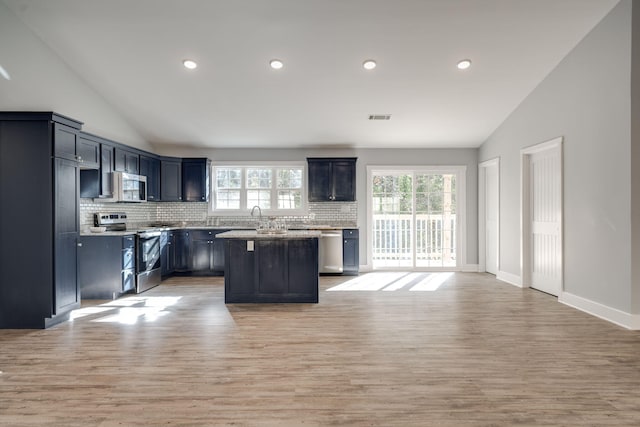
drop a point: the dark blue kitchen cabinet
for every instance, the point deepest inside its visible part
(350, 251)
(167, 253)
(332, 179)
(38, 282)
(66, 229)
(87, 151)
(107, 266)
(195, 179)
(127, 161)
(182, 251)
(271, 270)
(107, 166)
(207, 253)
(89, 155)
(171, 179)
(150, 167)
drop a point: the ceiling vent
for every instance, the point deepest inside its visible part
(379, 116)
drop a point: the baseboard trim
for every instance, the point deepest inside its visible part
(509, 278)
(471, 268)
(613, 315)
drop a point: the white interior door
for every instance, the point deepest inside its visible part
(545, 214)
(491, 217)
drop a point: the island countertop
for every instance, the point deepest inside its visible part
(253, 234)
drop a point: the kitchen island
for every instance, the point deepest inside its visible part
(270, 268)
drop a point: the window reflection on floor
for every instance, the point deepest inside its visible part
(128, 310)
(394, 281)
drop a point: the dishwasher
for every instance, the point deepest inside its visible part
(330, 251)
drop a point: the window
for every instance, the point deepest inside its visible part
(277, 188)
(415, 217)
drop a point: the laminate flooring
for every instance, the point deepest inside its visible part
(465, 350)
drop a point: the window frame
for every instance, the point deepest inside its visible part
(244, 208)
(460, 171)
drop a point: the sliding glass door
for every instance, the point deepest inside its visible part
(414, 217)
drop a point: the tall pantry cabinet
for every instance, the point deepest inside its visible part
(39, 219)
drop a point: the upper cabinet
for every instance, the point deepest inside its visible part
(87, 151)
(150, 167)
(76, 146)
(195, 179)
(332, 179)
(127, 161)
(171, 179)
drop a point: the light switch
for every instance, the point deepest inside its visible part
(249, 245)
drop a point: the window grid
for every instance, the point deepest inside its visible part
(277, 189)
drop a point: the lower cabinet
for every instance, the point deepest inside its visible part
(167, 253)
(277, 270)
(207, 253)
(182, 251)
(106, 266)
(350, 251)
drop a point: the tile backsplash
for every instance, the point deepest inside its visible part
(329, 213)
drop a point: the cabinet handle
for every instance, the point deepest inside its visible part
(79, 244)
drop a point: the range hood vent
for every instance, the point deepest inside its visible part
(379, 116)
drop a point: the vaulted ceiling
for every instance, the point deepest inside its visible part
(131, 52)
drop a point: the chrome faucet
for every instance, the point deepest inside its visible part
(259, 211)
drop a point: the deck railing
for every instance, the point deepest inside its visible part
(435, 240)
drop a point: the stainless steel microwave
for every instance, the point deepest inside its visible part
(128, 187)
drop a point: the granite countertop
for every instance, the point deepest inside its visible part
(253, 234)
(293, 227)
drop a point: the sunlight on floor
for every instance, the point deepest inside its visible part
(129, 310)
(394, 281)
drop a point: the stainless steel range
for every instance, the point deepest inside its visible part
(113, 221)
(148, 272)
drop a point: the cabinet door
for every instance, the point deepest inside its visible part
(171, 181)
(126, 161)
(319, 181)
(344, 181)
(182, 251)
(303, 267)
(150, 168)
(240, 272)
(88, 153)
(107, 167)
(218, 255)
(271, 265)
(167, 253)
(201, 254)
(66, 224)
(350, 251)
(64, 142)
(131, 162)
(195, 180)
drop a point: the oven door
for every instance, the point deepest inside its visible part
(148, 255)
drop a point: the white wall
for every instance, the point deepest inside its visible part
(41, 81)
(465, 157)
(586, 99)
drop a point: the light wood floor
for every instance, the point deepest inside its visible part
(474, 352)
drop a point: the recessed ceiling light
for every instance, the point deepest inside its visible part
(369, 64)
(464, 64)
(276, 64)
(190, 64)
